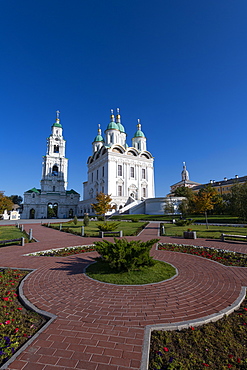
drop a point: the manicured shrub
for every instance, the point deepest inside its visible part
(124, 255)
(183, 222)
(86, 220)
(108, 226)
(75, 220)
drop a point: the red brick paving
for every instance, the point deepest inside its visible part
(101, 326)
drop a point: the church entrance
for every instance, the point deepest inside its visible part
(32, 213)
(52, 210)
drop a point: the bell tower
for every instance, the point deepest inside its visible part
(55, 165)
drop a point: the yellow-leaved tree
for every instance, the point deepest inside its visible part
(5, 203)
(205, 200)
(103, 204)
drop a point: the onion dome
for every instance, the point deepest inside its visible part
(98, 137)
(139, 132)
(57, 122)
(112, 125)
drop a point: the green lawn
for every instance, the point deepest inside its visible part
(144, 275)
(213, 232)
(196, 218)
(128, 228)
(11, 232)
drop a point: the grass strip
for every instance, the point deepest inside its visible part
(145, 275)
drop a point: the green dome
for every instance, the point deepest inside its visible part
(120, 127)
(98, 138)
(139, 133)
(112, 126)
(57, 124)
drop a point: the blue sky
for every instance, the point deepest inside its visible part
(180, 66)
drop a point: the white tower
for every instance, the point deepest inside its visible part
(55, 165)
(139, 140)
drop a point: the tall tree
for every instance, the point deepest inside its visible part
(103, 204)
(169, 207)
(205, 200)
(237, 201)
(187, 205)
(5, 203)
(16, 199)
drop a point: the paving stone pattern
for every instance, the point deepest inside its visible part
(101, 326)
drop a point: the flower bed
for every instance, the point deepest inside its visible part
(225, 257)
(64, 252)
(17, 324)
(219, 345)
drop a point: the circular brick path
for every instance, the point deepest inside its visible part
(101, 326)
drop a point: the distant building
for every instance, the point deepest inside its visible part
(224, 186)
(185, 181)
(53, 199)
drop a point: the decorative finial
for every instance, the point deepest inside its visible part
(139, 124)
(112, 118)
(184, 164)
(58, 115)
(118, 111)
(99, 129)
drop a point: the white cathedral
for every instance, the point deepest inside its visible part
(125, 173)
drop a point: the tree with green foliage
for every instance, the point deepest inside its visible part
(103, 204)
(186, 206)
(184, 191)
(16, 199)
(169, 207)
(124, 255)
(86, 220)
(75, 220)
(5, 203)
(236, 201)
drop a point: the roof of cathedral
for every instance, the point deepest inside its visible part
(34, 190)
(72, 191)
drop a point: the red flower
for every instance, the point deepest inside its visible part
(16, 330)
(206, 365)
(166, 349)
(192, 328)
(238, 360)
(5, 298)
(230, 356)
(19, 308)
(245, 309)
(229, 366)
(7, 322)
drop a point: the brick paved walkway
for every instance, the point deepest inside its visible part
(101, 326)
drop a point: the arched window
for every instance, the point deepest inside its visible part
(55, 170)
(32, 213)
(56, 148)
(54, 188)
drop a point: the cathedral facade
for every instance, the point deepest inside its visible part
(52, 200)
(124, 172)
